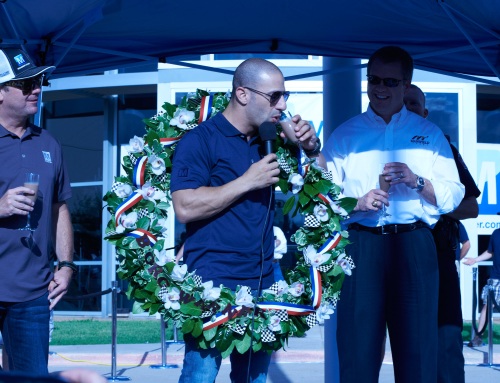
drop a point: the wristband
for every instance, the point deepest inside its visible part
(315, 151)
(69, 264)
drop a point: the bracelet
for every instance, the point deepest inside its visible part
(315, 151)
(69, 264)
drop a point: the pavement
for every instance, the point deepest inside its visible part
(303, 361)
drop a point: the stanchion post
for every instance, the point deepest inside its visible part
(164, 364)
(114, 303)
(489, 302)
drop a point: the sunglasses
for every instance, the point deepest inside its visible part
(389, 82)
(273, 98)
(27, 86)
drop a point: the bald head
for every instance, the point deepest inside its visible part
(251, 72)
(414, 100)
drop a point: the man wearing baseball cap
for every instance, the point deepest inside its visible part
(31, 222)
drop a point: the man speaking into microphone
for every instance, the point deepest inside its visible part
(222, 189)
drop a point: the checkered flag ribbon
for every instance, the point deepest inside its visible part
(311, 320)
(349, 260)
(283, 165)
(197, 280)
(282, 314)
(325, 268)
(207, 314)
(311, 221)
(112, 232)
(267, 336)
(191, 125)
(327, 175)
(274, 288)
(161, 179)
(142, 213)
(133, 158)
(163, 293)
(116, 186)
(237, 328)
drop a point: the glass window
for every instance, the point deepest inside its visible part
(443, 111)
(488, 118)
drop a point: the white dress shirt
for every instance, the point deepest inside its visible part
(358, 149)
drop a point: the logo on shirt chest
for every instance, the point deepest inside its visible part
(46, 157)
(420, 140)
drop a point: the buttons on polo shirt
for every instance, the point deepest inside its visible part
(23, 155)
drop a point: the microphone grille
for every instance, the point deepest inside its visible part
(267, 131)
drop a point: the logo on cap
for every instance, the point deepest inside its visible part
(20, 60)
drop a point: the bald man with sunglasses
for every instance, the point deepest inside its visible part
(223, 190)
(395, 282)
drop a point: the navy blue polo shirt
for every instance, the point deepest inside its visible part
(24, 268)
(225, 248)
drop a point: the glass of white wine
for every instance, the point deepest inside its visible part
(385, 186)
(31, 181)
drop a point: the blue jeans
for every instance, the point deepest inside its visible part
(202, 366)
(25, 332)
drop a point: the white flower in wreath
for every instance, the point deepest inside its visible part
(123, 190)
(346, 266)
(171, 299)
(243, 298)
(323, 312)
(162, 257)
(282, 288)
(163, 224)
(316, 259)
(296, 289)
(338, 210)
(151, 193)
(210, 293)
(157, 164)
(136, 144)
(321, 212)
(297, 182)
(129, 220)
(179, 273)
(274, 323)
(181, 118)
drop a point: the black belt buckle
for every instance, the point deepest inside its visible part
(384, 231)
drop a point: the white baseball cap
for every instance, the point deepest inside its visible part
(16, 64)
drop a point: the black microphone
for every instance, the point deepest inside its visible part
(267, 132)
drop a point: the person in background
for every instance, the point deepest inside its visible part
(395, 282)
(463, 249)
(447, 236)
(222, 189)
(29, 289)
(493, 251)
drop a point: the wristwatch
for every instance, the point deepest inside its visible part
(420, 184)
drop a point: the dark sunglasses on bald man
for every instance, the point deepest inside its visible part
(389, 82)
(273, 98)
(27, 86)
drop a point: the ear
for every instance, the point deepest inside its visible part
(426, 112)
(241, 95)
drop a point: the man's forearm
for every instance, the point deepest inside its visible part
(63, 232)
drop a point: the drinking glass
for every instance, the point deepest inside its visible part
(31, 181)
(288, 127)
(385, 186)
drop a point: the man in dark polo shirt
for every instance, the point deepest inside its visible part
(222, 188)
(28, 288)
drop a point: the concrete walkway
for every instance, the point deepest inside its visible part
(302, 362)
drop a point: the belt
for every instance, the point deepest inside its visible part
(390, 229)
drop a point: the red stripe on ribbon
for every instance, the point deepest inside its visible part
(205, 108)
(134, 199)
(139, 172)
(331, 243)
(169, 141)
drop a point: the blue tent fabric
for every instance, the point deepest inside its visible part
(85, 36)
